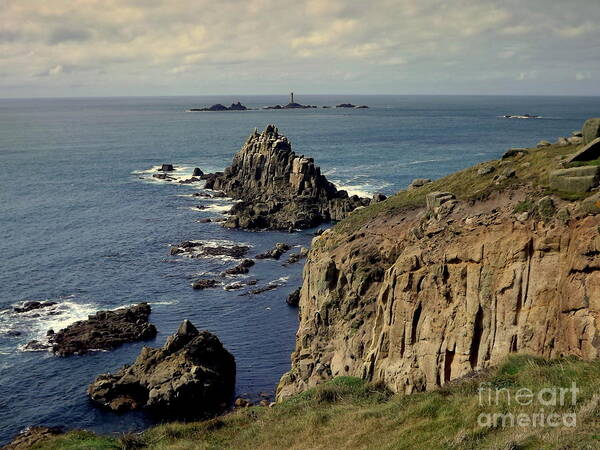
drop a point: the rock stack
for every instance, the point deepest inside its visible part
(278, 189)
(192, 375)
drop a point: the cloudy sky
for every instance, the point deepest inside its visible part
(194, 47)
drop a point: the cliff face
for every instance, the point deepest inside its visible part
(423, 296)
(279, 189)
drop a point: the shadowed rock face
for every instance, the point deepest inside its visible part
(104, 330)
(279, 189)
(192, 375)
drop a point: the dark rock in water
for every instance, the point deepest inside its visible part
(192, 375)
(167, 168)
(345, 105)
(13, 333)
(295, 257)
(294, 298)
(104, 330)
(204, 284)
(197, 172)
(237, 107)
(205, 221)
(241, 268)
(362, 107)
(31, 436)
(591, 130)
(278, 189)
(219, 107)
(163, 176)
(32, 305)
(37, 346)
(241, 402)
(190, 180)
(512, 152)
(275, 253)
(268, 287)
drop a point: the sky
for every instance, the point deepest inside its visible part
(54, 48)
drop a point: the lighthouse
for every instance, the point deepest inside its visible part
(291, 97)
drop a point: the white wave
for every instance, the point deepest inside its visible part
(354, 189)
(35, 324)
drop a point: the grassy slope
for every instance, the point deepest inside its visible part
(349, 413)
(466, 184)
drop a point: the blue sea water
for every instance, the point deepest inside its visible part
(83, 224)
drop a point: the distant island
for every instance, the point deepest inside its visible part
(219, 107)
(291, 105)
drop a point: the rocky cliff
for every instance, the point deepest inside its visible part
(451, 277)
(279, 189)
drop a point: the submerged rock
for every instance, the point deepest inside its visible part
(192, 375)
(204, 284)
(104, 330)
(279, 189)
(241, 268)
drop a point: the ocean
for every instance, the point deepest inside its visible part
(84, 224)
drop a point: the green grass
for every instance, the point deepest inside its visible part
(350, 413)
(532, 168)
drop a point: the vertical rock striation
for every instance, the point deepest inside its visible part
(279, 189)
(423, 297)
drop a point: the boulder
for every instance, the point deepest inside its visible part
(278, 189)
(486, 170)
(378, 197)
(418, 182)
(576, 179)
(591, 130)
(589, 152)
(167, 168)
(32, 305)
(512, 152)
(104, 330)
(192, 375)
(562, 141)
(577, 133)
(543, 144)
(197, 172)
(294, 298)
(574, 140)
(295, 257)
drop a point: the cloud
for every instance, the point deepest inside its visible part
(180, 46)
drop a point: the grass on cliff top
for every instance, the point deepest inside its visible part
(468, 185)
(350, 413)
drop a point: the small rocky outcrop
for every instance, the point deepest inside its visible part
(240, 269)
(31, 436)
(589, 152)
(345, 105)
(219, 107)
(512, 152)
(278, 189)
(275, 253)
(205, 284)
(192, 375)
(167, 168)
(32, 305)
(197, 172)
(104, 330)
